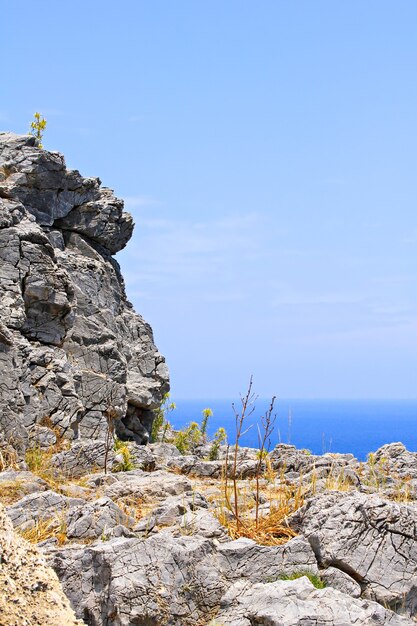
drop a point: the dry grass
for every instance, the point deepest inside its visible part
(8, 458)
(338, 481)
(133, 506)
(53, 527)
(11, 491)
(271, 528)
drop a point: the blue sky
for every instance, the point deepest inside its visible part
(267, 151)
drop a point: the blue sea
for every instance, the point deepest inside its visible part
(356, 426)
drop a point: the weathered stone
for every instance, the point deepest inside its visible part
(83, 457)
(35, 507)
(164, 580)
(29, 590)
(151, 485)
(373, 540)
(298, 603)
(73, 353)
(338, 579)
(184, 514)
(95, 519)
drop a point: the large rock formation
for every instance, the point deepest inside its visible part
(73, 352)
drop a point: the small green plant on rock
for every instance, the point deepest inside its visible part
(313, 578)
(37, 128)
(160, 422)
(126, 464)
(188, 439)
(206, 414)
(219, 437)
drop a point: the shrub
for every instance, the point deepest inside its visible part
(37, 127)
(160, 422)
(126, 464)
(313, 578)
(188, 439)
(219, 437)
(206, 414)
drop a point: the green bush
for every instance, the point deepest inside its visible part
(189, 438)
(37, 127)
(160, 422)
(313, 578)
(122, 447)
(219, 436)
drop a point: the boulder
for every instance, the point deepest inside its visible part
(299, 603)
(165, 580)
(371, 539)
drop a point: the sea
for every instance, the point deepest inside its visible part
(355, 426)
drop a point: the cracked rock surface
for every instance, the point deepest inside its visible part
(147, 547)
(372, 540)
(72, 349)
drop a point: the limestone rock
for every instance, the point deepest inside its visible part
(73, 353)
(298, 603)
(162, 579)
(83, 457)
(30, 592)
(43, 506)
(95, 519)
(371, 539)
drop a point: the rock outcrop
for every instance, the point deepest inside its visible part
(30, 593)
(372, 540)
(73, 352)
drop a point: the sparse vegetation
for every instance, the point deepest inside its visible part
(37, 128)
(42, 529)
(313, 578)
(206, 414)
(220, 437)
(8, 458)
(122, 449)
(160, 423)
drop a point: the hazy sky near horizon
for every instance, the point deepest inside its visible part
(268, 153)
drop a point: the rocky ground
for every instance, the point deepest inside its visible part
(158, 544)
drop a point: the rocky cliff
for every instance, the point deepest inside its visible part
(72, 349)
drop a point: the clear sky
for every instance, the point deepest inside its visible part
(268, 152)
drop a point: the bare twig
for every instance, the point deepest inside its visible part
(268, 425)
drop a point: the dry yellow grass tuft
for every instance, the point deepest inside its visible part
(8, 458)
(270, 527)
(53, 527)
(133, 506)
(11, 491)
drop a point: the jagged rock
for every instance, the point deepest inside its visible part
(243, 558)
(30, 592)
(142, 458)
(165, 580)
(83, 457)
(371, 539)
(294, 461)
(397, 460)
(298, 603)
(73, 353)
(35, 507)
(41, 436)
(150, 485)
(184, 514)
(341, 581)
(94, 519)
